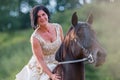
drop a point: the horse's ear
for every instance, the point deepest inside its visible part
(74, 19)
(90, 18)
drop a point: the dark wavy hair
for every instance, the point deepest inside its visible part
(34, 16)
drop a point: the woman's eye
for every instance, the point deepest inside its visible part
(43, 14)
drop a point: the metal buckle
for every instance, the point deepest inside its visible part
(90, 58)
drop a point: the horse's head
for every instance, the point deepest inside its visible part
(80, 42)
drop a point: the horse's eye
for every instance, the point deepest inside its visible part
(79, 31)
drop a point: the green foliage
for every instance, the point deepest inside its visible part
(67, 4)
(13, 18)
(15, 49)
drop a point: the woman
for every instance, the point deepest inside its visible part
(45, 41)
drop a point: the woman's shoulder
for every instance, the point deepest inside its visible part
(34, 34)
(56, 24)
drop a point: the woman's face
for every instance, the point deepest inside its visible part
(42, 18)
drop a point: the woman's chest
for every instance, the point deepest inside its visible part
(49, 36)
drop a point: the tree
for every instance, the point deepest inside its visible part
(12, 15)
(8, 15)
(15, 13)
(67, 4)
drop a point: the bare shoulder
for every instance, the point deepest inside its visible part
(57, 25)
(34, 40)
(60, 28)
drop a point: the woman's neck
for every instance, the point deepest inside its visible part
(45, 28)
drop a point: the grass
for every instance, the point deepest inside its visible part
(14, 49)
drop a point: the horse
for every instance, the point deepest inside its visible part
(80, 44)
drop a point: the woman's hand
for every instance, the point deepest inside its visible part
(55, 77)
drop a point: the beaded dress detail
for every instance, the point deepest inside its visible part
(33, 70)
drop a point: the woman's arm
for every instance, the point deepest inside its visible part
(37, 51)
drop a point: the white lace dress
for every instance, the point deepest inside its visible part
(33, 70)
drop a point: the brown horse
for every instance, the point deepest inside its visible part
(79, 45)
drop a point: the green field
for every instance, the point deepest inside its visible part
(15, 49)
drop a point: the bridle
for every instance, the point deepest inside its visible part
(89, 57)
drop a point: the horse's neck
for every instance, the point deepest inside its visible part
(76, 72)
(82, 71)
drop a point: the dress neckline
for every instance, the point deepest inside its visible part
(44, 39)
